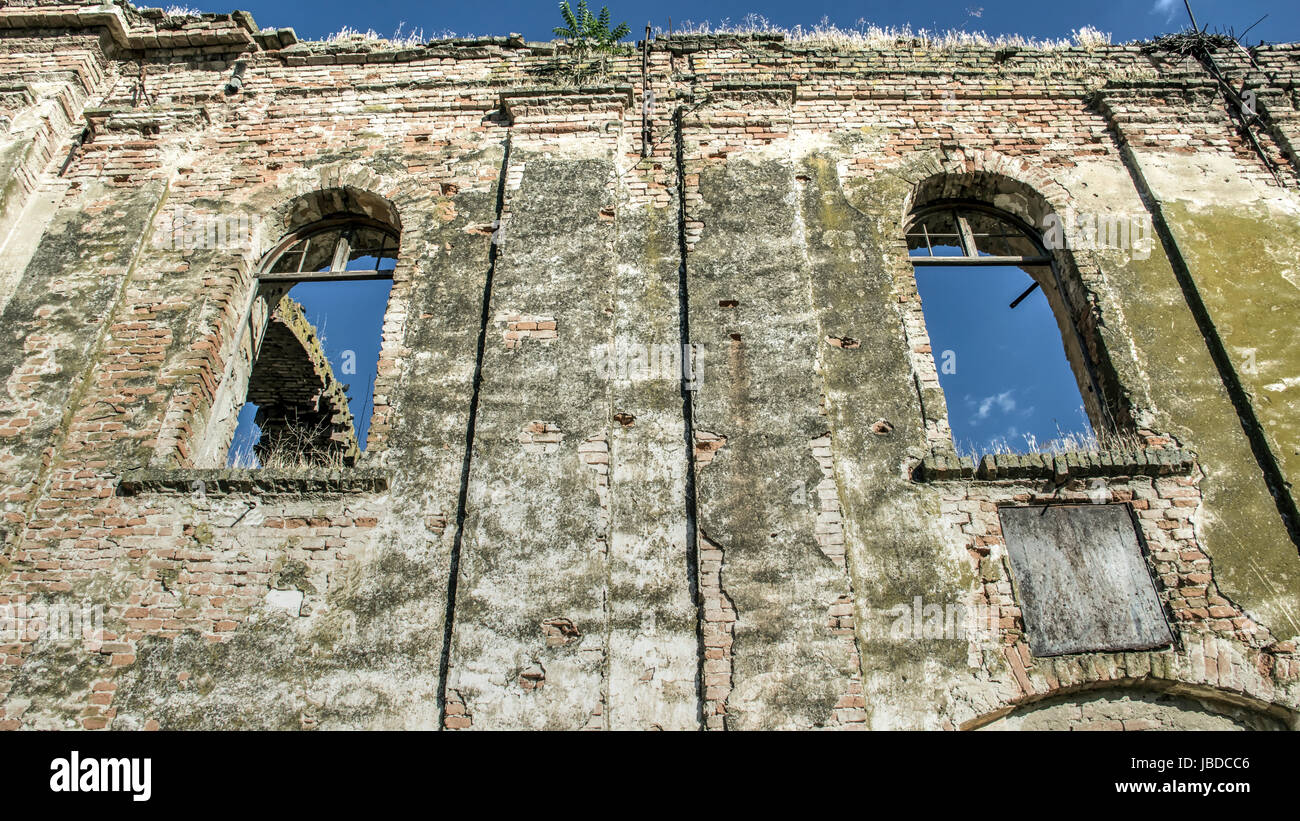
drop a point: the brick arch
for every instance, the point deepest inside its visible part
(311, 193)
(1136, 704)
(1029, 192)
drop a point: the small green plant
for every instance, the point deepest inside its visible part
(590, 32)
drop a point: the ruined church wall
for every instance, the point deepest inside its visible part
(542, 533)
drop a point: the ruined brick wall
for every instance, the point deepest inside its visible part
(550, 527)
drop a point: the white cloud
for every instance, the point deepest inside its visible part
(1166, 7)
(1002, 402)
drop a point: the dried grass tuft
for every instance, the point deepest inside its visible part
(291, 449)
(1084, 440)
(864, 35)
(370, 37)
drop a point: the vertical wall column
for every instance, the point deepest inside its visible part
(572, 571)
(653, 621)
(895, 539)
(777, 611)
(55, 324)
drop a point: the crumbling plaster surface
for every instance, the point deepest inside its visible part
(1244, 250)
(1238, 243)
(896, 548)
(55, 325)
(535, 519)
(757, 497)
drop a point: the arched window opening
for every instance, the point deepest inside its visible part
(1001, 344)
(313, 344)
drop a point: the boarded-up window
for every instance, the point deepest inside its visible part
(1082, 581)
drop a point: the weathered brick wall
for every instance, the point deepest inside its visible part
(544, 530)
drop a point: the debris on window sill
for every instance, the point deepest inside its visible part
(252, 480)
(941, 467)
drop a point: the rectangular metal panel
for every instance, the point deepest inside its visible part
(1081, 579)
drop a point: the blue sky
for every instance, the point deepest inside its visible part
(1004, 372)
(1124, 19)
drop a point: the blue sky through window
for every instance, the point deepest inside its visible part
(1004, 372)
(349, 318)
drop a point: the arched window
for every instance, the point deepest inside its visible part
(1003, 352)
(312, 344)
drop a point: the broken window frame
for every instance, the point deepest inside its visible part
(347, 227)
(958, 210)
(1096, 403)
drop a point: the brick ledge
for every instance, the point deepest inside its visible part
(244, 480)
(948, 467)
